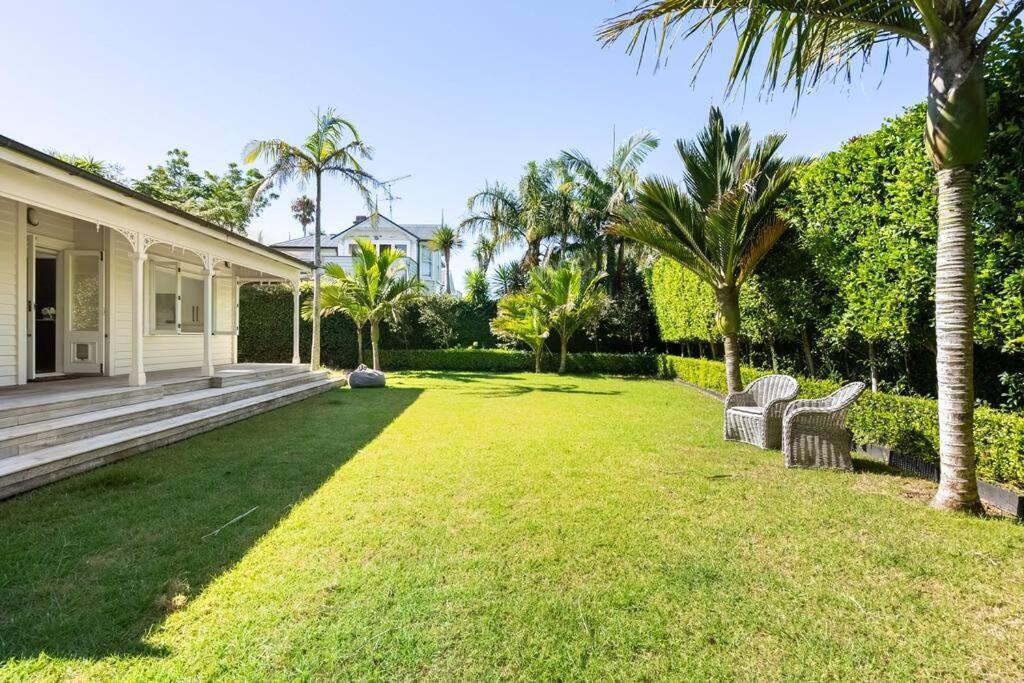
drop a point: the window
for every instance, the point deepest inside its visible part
(165, 299)
(191, 304)
(177, 300)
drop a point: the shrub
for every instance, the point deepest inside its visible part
(502, 360)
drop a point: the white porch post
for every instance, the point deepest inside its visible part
(295, 323)
(21, 297)
(137, 374)
(208, 321)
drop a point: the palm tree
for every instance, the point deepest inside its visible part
(527, 215)
(446, 240)
(508, 278)
(303, 210)
(521, 317)
(807, 42)
(334, 148)
(602, 193)
(722, 222)
(337, 296)
(568, 299)
(378, 289)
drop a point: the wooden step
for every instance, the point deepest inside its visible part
(32, 436)
(30, 470)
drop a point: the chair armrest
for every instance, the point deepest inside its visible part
(805, 407)
(739, 398)
(777, 407)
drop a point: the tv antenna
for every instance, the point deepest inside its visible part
(388, 194)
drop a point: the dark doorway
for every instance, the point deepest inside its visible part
(45, 312)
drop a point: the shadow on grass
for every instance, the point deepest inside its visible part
(89, 565)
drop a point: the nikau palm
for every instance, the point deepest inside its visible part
(334, 148)
(446, 240)
(521, 317)
(721, 223)
(807, 41)
(378, 289)
(569, 299)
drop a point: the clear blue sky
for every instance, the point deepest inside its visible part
(453, 93)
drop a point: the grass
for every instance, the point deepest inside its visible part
(481, 527)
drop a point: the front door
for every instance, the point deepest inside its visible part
(84, 302)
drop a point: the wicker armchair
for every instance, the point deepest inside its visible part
(814, 431)
(755, 415)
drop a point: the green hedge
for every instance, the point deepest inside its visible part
(904, 423)
(501, 360)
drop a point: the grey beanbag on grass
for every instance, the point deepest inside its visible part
(363, 377)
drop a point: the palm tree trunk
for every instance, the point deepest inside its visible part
(375, 343)
(729, 322)
(954, 331)
(314, 352)
(620, 263)
(805, 342)
(536, 358)
(447, 271)
(359, 343)
(565, 352)
(774, 355)
(957, 130)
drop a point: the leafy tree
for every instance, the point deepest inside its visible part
(446, 240)
(334, 148)
(304, 211)
(377, 290)
(90, 164)
(805, 42)
(337, 295)
(569, 300)
(222, 199)
(522, 318)
(722, 223)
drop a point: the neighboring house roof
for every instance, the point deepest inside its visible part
(34, 153)
(419, 231)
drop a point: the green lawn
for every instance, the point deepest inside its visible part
(481, 527)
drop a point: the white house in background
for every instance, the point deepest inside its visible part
(410, 239)
(97, 279)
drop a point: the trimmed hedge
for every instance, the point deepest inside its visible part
(907, 424)
(503, 360)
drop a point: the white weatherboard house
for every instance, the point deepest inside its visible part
(119, 322)
(410, 239)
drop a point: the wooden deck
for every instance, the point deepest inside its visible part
(70, 388)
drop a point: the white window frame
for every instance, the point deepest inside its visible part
(165, 266)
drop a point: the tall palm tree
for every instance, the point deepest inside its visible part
(722, 222)
(303, 210)
(569, 299)
(807, 41)
(603, 192)
(521, 317)
(378, 289)
(446, 240)
(334, 148)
